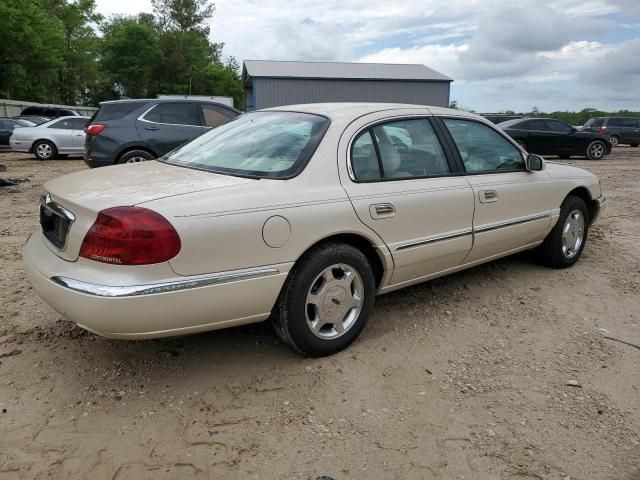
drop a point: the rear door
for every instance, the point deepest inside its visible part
(631, 131)
(78, 134)
(512, 205)
(168, 125)
(60, 133)
(537, 137)
(403, 187)
(562, 139)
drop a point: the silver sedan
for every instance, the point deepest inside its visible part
(61, 136)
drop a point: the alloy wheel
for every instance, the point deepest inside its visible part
(334, 301)
(596, 150)
(44, 150)
(573, 234)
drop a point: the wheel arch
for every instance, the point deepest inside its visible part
(584, 194)
(130, 148)
(376, 259)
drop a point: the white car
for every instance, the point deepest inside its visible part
(61, 136)
(302, 214)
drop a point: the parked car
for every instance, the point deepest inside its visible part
(545, 136)
(60, 136)
(7, 125)
(302, 214)
(51, 112)
(36, 120)
(129, 131)
(619, 130)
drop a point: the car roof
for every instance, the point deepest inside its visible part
(166, 100)
(346, 110)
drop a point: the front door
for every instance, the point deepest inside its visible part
(512, 205)
(400, 185)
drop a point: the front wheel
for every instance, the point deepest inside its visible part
(326, 301)
(596, 150)
(564, 244)
(44, 150)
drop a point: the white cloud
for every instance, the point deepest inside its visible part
(501, 54)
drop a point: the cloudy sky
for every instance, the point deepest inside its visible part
(502, 54)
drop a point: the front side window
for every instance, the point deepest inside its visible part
(259, 144)
(559, 127)
(63, 124)
(175, 113)
(401, 149)
(78, 123)
(482, 149)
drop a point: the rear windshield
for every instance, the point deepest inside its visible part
(510, 123)
(115, 111)
(259, 145)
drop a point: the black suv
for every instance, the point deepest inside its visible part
(619, 129)
(51, 112)
(127, 131)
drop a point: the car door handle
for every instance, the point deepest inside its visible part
(488, 196)
(382, 210)
(150, 127)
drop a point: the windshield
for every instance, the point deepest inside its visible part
(259, 144)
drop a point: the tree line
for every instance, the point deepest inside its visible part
(64, 51)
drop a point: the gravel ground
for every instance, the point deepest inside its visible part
(499, 372)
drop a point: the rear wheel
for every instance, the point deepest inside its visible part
(136, 156)
(44, 150)
(564, 244)
(596, 150)
(326, 301)
(614, 140)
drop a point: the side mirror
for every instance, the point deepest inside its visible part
(534, 163)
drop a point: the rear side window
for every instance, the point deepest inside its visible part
(539, 125)
(630, 122)
(595, 122)
(615, 122)
(78, 123)
(398, 150)
(116, 111)
(175, 114)
(63, 124)
(214, 115)
(482, 149)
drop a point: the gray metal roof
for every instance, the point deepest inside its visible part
(338, 70)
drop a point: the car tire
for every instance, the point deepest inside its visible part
(596, 150)
(326, 300)
(136, 156)
(565, 157)
(614, 140)
(564, 244)
(44, 150)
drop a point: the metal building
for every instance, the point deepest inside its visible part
(273, 83)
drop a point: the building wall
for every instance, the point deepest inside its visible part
(272, 92)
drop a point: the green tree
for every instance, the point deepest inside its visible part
(130, 55)
(32, 51)
(78, 75)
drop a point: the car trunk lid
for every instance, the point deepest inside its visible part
(73, 201)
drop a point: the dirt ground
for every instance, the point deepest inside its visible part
(466, 377)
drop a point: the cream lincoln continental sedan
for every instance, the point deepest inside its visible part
(302, 214)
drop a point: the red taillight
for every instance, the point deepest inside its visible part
(94, 129)
(603, 129)
(130, 236)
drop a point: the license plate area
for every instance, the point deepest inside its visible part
(55, 222)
